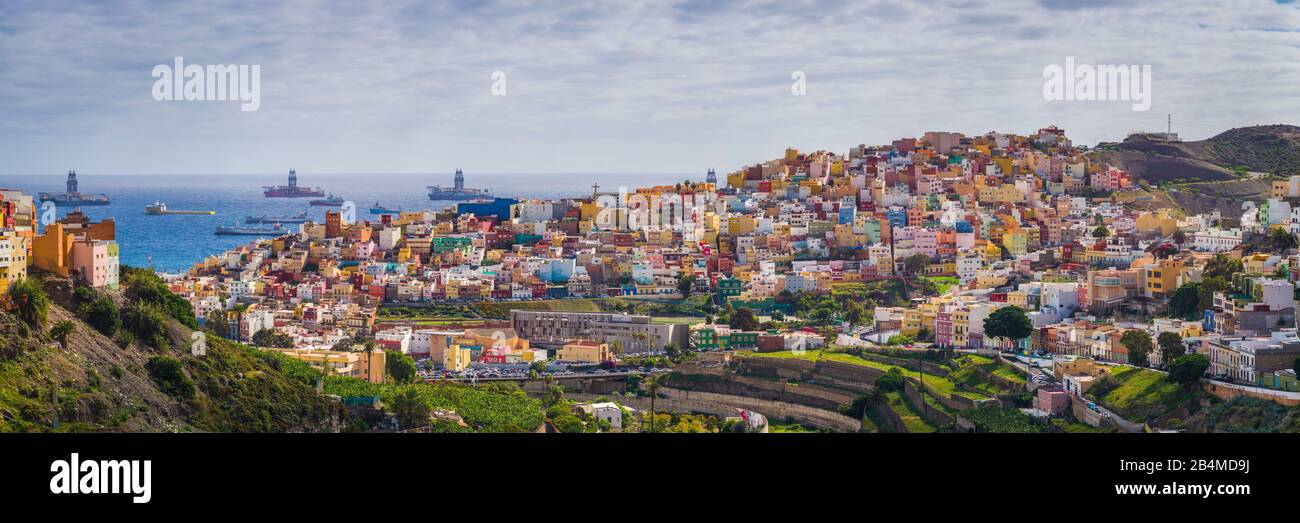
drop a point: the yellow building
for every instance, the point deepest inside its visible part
(455, 358)
(13, 259)
(1160, 221)
(367, 366)
(583, 351)
(52, 251)
(1162, 277)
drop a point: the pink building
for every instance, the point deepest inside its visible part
(1052, 400)
(943, 329)
(96, 262)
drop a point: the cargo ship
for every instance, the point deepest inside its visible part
(235, 230)
(297, 218)
(159, 208)
(72, 196)
(292, 190)
(378, 209)
(331, 201)
(458, 192)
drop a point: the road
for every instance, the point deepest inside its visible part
(1123, 424)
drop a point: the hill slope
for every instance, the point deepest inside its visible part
(98, 383)
(1273, 149)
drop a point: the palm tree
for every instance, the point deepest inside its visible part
(30, 299)
(653, 384)
(60, 331)
(410, 410)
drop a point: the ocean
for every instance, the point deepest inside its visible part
(173, 243)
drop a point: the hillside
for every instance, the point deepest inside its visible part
(1273, 149)
(142, 378)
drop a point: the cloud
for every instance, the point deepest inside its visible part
(619, 86)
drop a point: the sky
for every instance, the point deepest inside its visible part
(620, 86)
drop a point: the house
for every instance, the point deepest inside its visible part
(608, 412)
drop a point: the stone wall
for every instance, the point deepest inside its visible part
(935, 416)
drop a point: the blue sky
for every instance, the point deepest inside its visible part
(626, 86)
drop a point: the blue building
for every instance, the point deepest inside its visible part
(499, 207)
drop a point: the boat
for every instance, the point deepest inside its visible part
(236, 230)
(378, 209)
(292, 190)
(458, 192)
(331, 201)
(159, 208)
(72, 196)
(297, 218)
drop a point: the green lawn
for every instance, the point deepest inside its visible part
(682, 320)
(1139, 393)
(943, 283)
(904, 409)
(973, 371)
(938, 383)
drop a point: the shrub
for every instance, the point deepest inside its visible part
(891, 381)
(102, 314)
(171, 379)
(146, 322)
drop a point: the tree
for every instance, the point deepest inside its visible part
(1139, 346)
(31, 301)
(1209, 286)
(1100, 232)
(673, 351)
(410, 409)
(1221, 266)
(744, 320)
(216, 322)
(1008, 322)
(1179, 237)
(1171, 346)
(60, 331)
(1185, 302)
(1281, 239)
(890, 381)
(685, 283)
(1188, 369)
(855, 313)
(272, 338)
(915, 263)
(102, 314)
(399, 367)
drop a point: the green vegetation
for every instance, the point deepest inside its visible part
(792, 428)
(146, 287)
(166, 372)
(1139, 346)
(942, 284)
(1171, 346)
(907, 412)
(101, 313)
(398, 367)
(976, 372)
(1247, 414)
(934, 383)
(1189, 369)
(147, 323)
(60, 332)
(30, 301)
(1008, 322)
(272, 338)
(998, 419)
(1138, 394)
(486, 408)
